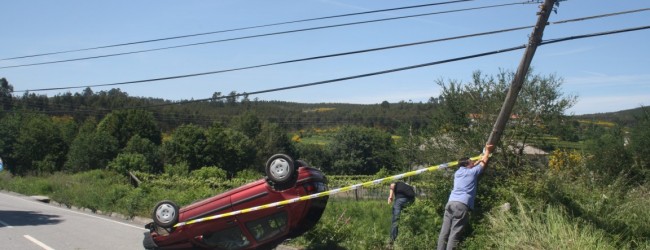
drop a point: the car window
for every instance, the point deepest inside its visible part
(268, 227)
(231, 238)
(320, 187)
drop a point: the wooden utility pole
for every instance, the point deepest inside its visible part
(522, 70)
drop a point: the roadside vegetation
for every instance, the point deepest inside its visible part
(589, 192)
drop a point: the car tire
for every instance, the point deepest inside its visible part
(281, 172)
(165, 214)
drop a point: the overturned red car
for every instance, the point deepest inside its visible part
(262, 229)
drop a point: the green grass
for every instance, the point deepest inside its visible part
(349, 224)
(572, 210)
(543, 228)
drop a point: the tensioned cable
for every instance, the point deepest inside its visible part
(408, 67)
(237, 29)
(334, 55)
(261, 35)
(278, 63)
(321, 82)
(601, 16)
(550, 41)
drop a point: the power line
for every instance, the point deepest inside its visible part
(563, 39)
(601, 16)
(545, 42)
(260, 35)
(409, 67)
(281, 62)
(334, 55)
(236, 29)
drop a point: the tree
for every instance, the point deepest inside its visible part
(315, 155)
(187, 144)
(148, 150)
(126, 162)
(217, 144)
(608, 153)
(91, 149)
(638, 142)
(272, 140)
(468, 111)
(6, 99)
(39, 146)
(359, 150)
(217, 99)
(8, 126)
(232, 98)
(124, 124)
(230, 149)
(248, 123)
(239, 153)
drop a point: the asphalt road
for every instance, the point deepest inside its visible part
(32, 225)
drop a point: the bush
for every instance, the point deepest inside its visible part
(126, 162)
(420, 225)
(249, 174)
(179, 169)
(209, 172)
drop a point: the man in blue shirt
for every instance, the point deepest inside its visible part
(461, 200)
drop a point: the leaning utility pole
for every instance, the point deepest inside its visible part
(524, 65)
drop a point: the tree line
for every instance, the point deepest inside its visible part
(87, 130)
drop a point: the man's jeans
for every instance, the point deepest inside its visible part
(455, 220)
(398, 205)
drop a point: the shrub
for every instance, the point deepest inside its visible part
(126, 162)
(248, 174)
(209, 172)
(179, 169)
(420, 225)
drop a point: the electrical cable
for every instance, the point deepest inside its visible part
(256, 36)
(236, 29)
(551, 41)
(281, 62)
(333, 55)
(544, 42)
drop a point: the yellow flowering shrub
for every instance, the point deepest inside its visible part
(564, 159)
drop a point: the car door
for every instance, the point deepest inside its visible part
(214, 233)
(266, 224)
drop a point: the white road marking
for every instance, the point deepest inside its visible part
(5, 224)
(30, 238)
(101, 218)
(71, 211)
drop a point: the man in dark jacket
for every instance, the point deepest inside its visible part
(403, 195)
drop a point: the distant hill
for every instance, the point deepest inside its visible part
(623, 117)
(223, 109)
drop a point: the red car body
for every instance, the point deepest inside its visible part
(262, 229)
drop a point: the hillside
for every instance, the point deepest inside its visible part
(624, 118)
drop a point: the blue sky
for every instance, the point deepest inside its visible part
(607, 73)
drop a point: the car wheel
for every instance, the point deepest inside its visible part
(281, 171)
(165, 214)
